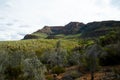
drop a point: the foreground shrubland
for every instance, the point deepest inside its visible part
(42, 59)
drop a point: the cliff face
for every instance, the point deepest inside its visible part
(70, 28)
(46, 30)
(93, 29)
(57, 29)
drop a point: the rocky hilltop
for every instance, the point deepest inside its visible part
(70, 28)
(92, 29)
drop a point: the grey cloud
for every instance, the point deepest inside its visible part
(2, 18)
(10, 35)
(115, 3)
(9, 24)
(16, 37)
(22, 34)
(12, 29)
(24, 26)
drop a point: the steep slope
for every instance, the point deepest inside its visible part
(50, 30)
(72, 28)
(46, 30)
(95, 29)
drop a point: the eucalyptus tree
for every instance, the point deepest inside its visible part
(92, 53)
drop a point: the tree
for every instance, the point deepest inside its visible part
(91, 55)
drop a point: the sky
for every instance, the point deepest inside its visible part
(21, 17)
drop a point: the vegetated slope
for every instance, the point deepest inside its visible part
(36, 45)
(92, 29)
(95, 29)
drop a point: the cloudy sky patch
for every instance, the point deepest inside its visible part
(20, 17)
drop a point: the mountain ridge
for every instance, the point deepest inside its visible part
(92, 29)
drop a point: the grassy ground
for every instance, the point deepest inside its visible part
(38, 45)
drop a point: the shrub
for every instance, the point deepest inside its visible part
(110, 38)
(74, 58)
(20, 66)
(75, 74)
(116, 72)
(49, 77)
(56, 56)
(13, 72)
(113, 55)
(58, 70)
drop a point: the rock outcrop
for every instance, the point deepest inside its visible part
(70, 28)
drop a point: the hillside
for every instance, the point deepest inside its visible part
(92, 29)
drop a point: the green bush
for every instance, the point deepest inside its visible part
(50, 77)
(13, 72)
(19, 66)
(75, 74)
(58, 70)
(110, 38)
(113, 55)
(74, 58)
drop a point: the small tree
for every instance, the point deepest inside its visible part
(91, 56)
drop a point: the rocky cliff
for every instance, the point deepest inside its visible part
(70, 28)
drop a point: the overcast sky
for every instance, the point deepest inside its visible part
(20, 17)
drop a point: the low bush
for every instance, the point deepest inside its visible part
(49, 77)
(113, 55)
(58, 70)
(75, 74)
